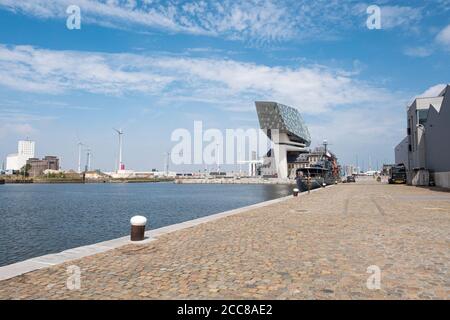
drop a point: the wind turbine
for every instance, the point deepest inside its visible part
(88, 160)
(120, 133)
(80, 144)
(167, 154)
(218, 157)
(167, 160)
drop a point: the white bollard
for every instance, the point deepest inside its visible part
(295, 192)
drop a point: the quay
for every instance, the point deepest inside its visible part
(232, 180)
(315, 246)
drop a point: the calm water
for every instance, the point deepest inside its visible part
(38, 219)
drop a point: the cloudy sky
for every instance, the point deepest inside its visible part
(153, 66)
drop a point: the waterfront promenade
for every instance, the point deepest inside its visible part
(314, 246)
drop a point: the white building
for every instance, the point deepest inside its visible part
(25, 151)
(350, 170)
(425, 150)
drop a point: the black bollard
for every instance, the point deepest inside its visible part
(138, 228)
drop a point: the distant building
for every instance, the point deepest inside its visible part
(131, 174)
(38, 166)
(95, 175)
(350, 170)
(425, 148)
(25, 151)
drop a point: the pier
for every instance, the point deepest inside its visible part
(316, 246)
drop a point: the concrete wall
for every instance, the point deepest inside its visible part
(437, 137)
(401, 153)
(442, 179)
(420, 178)
(417, 158)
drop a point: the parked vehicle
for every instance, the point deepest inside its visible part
(351, 179)
(397, 175)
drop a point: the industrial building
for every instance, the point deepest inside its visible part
(25, 151)
(424, 151)
(38, 166)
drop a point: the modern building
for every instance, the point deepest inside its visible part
(38, 166)
(401, 153)
(426, 148)
(285, 127)
(25, 151)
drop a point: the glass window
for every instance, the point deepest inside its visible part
(422, 116)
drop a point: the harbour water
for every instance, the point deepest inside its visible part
(38, 219)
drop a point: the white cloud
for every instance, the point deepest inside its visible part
(29, 69)
(393, 16)
(443, 37)
(432, 91)
(258, 21)
(398, 16)
(21, 129)
(420, 52)
(362, 132)
(226, 83)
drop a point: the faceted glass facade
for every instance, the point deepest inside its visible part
(273, 115)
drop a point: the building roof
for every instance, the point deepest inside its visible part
(424, 103)
(444, 91)
(273, 115)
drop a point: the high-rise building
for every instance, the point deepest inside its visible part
(25, 151)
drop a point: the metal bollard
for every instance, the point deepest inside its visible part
(138, 228)
(295, 192)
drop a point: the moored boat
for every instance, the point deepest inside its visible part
(311, 178)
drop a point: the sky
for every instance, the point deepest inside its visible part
(152, 66)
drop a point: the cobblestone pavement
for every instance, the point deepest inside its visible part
(317, 246)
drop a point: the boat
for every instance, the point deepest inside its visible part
(320, 173)
(310, 178)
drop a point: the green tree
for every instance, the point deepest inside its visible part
(24, 170)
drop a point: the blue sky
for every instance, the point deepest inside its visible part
(151, 67)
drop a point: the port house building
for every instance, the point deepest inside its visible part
(285, 127)
(425, 151)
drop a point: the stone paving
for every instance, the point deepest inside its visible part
(316, 246)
